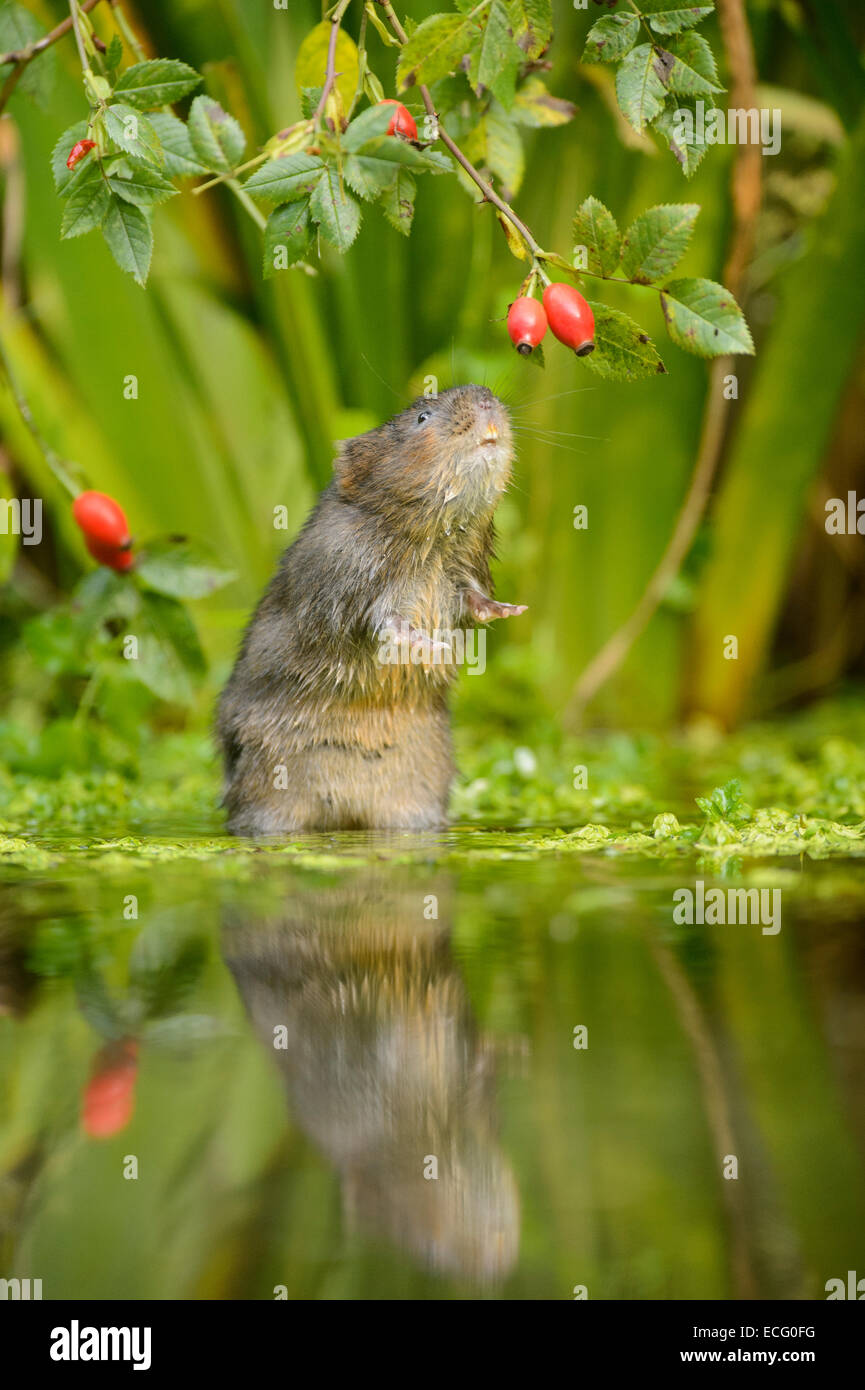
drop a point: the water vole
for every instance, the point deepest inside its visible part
(317, 730)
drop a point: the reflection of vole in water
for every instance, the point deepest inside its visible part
(384, 1067)
(317, 731)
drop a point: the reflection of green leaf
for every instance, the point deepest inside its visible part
(656, 242)
(595, 228)
(610, 38)
(623, 352)
(703, 317)
(182, 569)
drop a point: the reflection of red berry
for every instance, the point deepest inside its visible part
(78, 151)
(570, 318)
(109, 1096)
(402, 122)
(527, 324)
(106, 530)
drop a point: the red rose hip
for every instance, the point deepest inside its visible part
(101, 519)
(402, 122)
(570, 318)
(527, 324)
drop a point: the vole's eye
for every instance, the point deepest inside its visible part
(424, 415)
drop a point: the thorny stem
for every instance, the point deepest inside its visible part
(53, 460)
(330, 72)
(82, 51)
(21, 58)
(490, 195)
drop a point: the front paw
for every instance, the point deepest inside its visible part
(484, 609)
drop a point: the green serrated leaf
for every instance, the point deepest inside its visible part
(217, 138)
(283, 180)
(496, 59)
(596, 228)
(436, 47)
(535, 106)
(397, 201)
(703, 318)
(623, 352)
(156, 83)
(287, 237)
(170, 661)
(671, 16)
(694, 71)
(495, 144)
(610, 38)
(683, 133)
(639, 87)
(371, 122)
(86, 206)
(114, 52)
(133, 132)
(130, 238)
(656, 242)
(181, 568)
(65, 179)
(181, 161)
(335, 211)
(532, 25)
(143, 186)
(311, 65)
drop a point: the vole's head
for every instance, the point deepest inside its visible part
(449, 454)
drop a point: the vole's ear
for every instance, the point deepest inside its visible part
(352, 464)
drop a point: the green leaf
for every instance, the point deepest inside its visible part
(156, 83)
(436, 47)
(535, 106)
(143, 185)
(133, 132)
(595, 228)
(623, 352)
(283, 180)
(311, 65)
(680, 129)
(336, 212)
(217, 138)
(656, 242)
(287, 236)
(639, 87)
(496, 60)
(371, 122)
(181, 568)
(170, 661)
(373, 167)
(18, 28)
(85, 207)
(64, 178)
(180, 158)
(671, 16)
(129, 237)
(495, 144)
(532, 24)
(397, 202)
(611, 38)
(114, 52)
(694, 72)
(703, 317)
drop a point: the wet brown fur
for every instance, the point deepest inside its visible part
(405, 530)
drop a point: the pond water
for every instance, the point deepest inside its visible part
(387, 1070)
